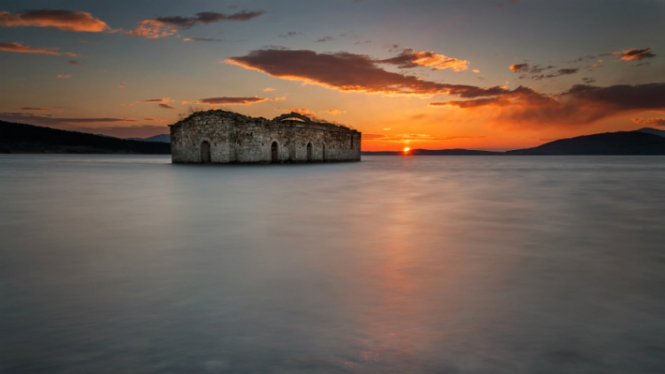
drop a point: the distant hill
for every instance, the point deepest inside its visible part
(436, 152)
(611, 143)
(653, 131)
(20, 138)
(164, 138)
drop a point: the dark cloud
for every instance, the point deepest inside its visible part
(33, 109)
(206, 18)
(21, 48)
(48, 120)
(166, 106)
(75, 63)
(634, 54)
(588, 80)
(289, 34)
(535, 70)
(202, 40)
(165, 26)
(580, 105)
(234, 100)
(162, 100)
(411, 59)
(559, 73)
(526, 68)
(325, 39)
(349, 72)
(65, 20)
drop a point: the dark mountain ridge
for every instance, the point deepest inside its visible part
(20, 138)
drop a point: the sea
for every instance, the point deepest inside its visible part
(423, 264)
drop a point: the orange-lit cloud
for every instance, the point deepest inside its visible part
(580, 105)
(166, 106)
(268, 89)
(65, 20)
(153, 29)
(148, 119)
(411, 59)
(162, 100)
(20, 48)
(166, 26)
(64, 76)
(349, 72)
(235, 100)
(650, 121)
(334, 112)
(634, 54)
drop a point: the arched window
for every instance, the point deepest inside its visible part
(274, 153)
(324, 152)
(351, 142)
(205, 152)
(309, 152)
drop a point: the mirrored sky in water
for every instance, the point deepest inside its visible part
(396, 264)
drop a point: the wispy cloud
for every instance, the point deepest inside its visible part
(162, 100)
(634, 54)
(202, 40)
(349, 72)
(65, 20)
(166, 106)
(75, 63)
(64, 76)
(21, 48)
(165, 26)
(536, 71)
(235, 100)
(34, 109)
(32, 118)
(289, 34)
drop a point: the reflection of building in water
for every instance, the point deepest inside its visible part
(218, 136)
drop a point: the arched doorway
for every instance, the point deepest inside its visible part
(309, 152)
(324, 152)
(274, 153)
(205, 152)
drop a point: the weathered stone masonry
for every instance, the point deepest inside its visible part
(218, 136)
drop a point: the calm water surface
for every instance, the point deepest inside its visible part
(129, 264)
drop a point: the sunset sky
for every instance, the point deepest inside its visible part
(491, 75)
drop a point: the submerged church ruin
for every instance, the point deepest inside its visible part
(218, 136)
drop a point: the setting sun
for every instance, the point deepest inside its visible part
(406, 149)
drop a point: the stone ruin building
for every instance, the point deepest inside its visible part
(218, 136)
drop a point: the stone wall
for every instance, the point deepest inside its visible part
(235, 138)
